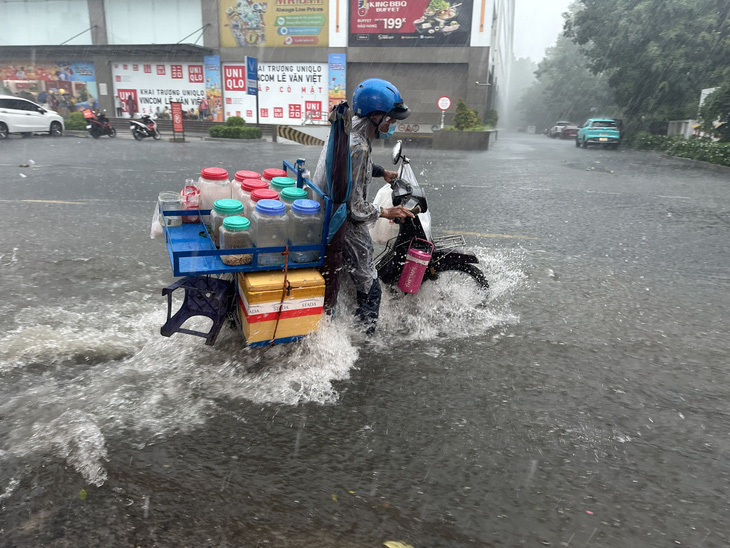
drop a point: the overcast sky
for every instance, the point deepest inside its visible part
(537, 25)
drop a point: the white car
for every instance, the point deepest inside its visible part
(18, 115)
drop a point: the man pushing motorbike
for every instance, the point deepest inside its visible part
(377, 105)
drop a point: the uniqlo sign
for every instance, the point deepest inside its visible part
(315, 107)
(160, 70)
(176, 72)
(278, 112)
(195, 74)
(234, 77)
(295, 111)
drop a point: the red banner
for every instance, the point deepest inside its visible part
(177, 118)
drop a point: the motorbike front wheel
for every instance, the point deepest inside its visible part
(137, 135)
(156, 136)
(112, 132)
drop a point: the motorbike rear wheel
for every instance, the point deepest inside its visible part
(463, 274)
(156, 136)
(112, 132)
(95, 133)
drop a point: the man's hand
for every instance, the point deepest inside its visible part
(397, 212)
(390, 176)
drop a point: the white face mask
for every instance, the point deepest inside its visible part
(384, 135)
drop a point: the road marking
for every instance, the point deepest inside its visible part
(53, 202)
(487, 235)
(675, 197)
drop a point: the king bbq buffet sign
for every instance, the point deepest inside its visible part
(410, 23)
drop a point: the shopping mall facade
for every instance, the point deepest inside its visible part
(273, 62)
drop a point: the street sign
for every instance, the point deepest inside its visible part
(444, 103)
(252, 68)
(177, 119)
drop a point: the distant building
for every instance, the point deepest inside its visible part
(307, 54)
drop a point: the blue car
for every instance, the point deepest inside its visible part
(599, 131)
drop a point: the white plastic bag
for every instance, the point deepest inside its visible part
(383, 229)
(156, 230)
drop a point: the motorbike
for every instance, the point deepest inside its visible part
(448, 256)
(99, 125)
(144, 127)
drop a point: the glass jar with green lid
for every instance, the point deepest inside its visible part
(288, 195)
(223, 208)
(280, 183)
(235, 233)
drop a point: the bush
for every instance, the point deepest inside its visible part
(235, 132)
(465, 118)
(235, 121)
(704, 151)
(75, 120)
(643, 140)
(491, 118)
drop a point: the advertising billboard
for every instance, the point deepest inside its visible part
(290, 93)
(212, 107)
(236, 97)
(284, 23)
(337, 80)
(410, 23)
(155, 85)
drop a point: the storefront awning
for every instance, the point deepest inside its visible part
(116, 51)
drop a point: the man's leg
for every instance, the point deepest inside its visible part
(368, 306)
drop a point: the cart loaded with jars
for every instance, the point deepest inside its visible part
(247, 252)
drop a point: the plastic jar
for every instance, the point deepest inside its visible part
(245, 174)
(169, 201)
(305, 228)
(214, 185)
(270, 229)
(270, 173)
(223, 208)
(235, 233)
(280, 183)
(243, 193)
(288, 195)
(263, 194)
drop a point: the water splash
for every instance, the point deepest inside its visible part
(101, 370)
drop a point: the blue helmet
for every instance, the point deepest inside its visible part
(378, 95)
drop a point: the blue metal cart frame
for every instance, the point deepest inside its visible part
(194, 255)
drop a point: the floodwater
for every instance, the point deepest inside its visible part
(581, 403)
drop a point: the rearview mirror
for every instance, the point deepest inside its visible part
(397, 149)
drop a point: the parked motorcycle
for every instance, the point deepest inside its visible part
(144, 127)
(99, 125)
(412, 246)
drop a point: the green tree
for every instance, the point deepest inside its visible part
(716, 109)
(658, 54)
(566, 89)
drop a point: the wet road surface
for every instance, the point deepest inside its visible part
(583, 404)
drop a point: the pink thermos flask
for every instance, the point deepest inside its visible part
(415, 267)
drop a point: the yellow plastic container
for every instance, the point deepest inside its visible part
(259, 304)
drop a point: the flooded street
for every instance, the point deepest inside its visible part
(584, 403)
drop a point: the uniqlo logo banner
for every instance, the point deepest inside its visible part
(234, 77)
(195, 74)
(236, 98)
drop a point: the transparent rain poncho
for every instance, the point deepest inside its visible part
(358, 246)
